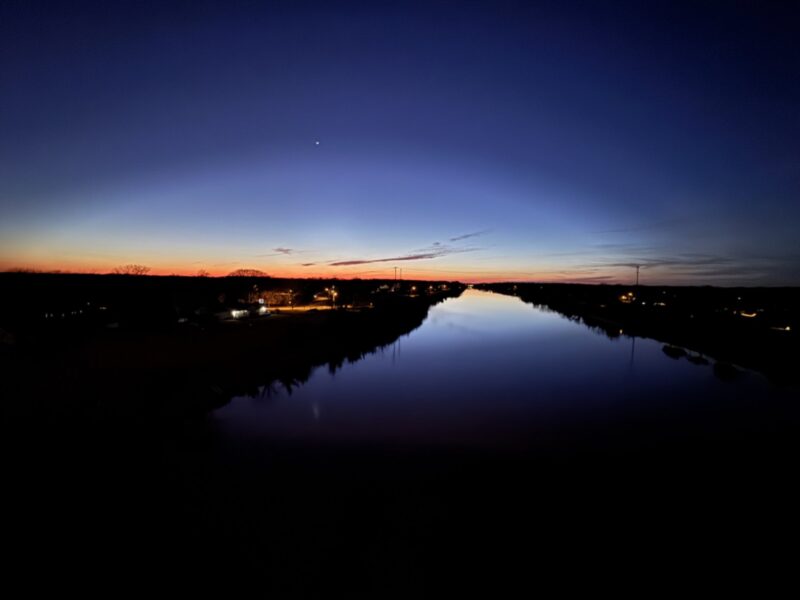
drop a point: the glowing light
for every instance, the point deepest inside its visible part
(239, 313)
(748, 315)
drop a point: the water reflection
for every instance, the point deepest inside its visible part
(486, 369)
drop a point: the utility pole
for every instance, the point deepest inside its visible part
(637, 274)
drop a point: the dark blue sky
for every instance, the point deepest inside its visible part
(480, 141)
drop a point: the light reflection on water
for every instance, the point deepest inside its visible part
(486, 369)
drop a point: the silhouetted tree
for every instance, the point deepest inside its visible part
(203, 273)
(247, 273)
(131, 270)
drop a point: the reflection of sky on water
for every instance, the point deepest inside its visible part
(489, 369)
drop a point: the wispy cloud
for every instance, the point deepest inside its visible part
(280, 251)
(469, 235)
(683, 260)
(690, 267)
(436, 252)
(345, 263)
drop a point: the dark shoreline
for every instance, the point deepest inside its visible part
(134, 377)
(706, 321)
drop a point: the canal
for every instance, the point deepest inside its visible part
(503, 443)
(489, 371)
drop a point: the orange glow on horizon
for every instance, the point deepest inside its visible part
(425, 271)
(286, 272)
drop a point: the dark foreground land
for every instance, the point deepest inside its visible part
(755, 328)
(151, 350)
(114, 474)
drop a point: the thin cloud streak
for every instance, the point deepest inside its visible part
(438, 253)
(281, 251)
(695, 267)
(469, 235)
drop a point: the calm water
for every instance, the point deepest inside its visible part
(490, 370)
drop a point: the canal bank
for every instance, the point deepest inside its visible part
(134, 377)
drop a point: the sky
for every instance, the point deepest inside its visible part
(552, 141)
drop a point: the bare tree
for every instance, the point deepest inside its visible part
(131, 270)
(247, 273)
(203, 273)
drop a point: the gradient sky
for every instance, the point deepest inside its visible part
(526, 141)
